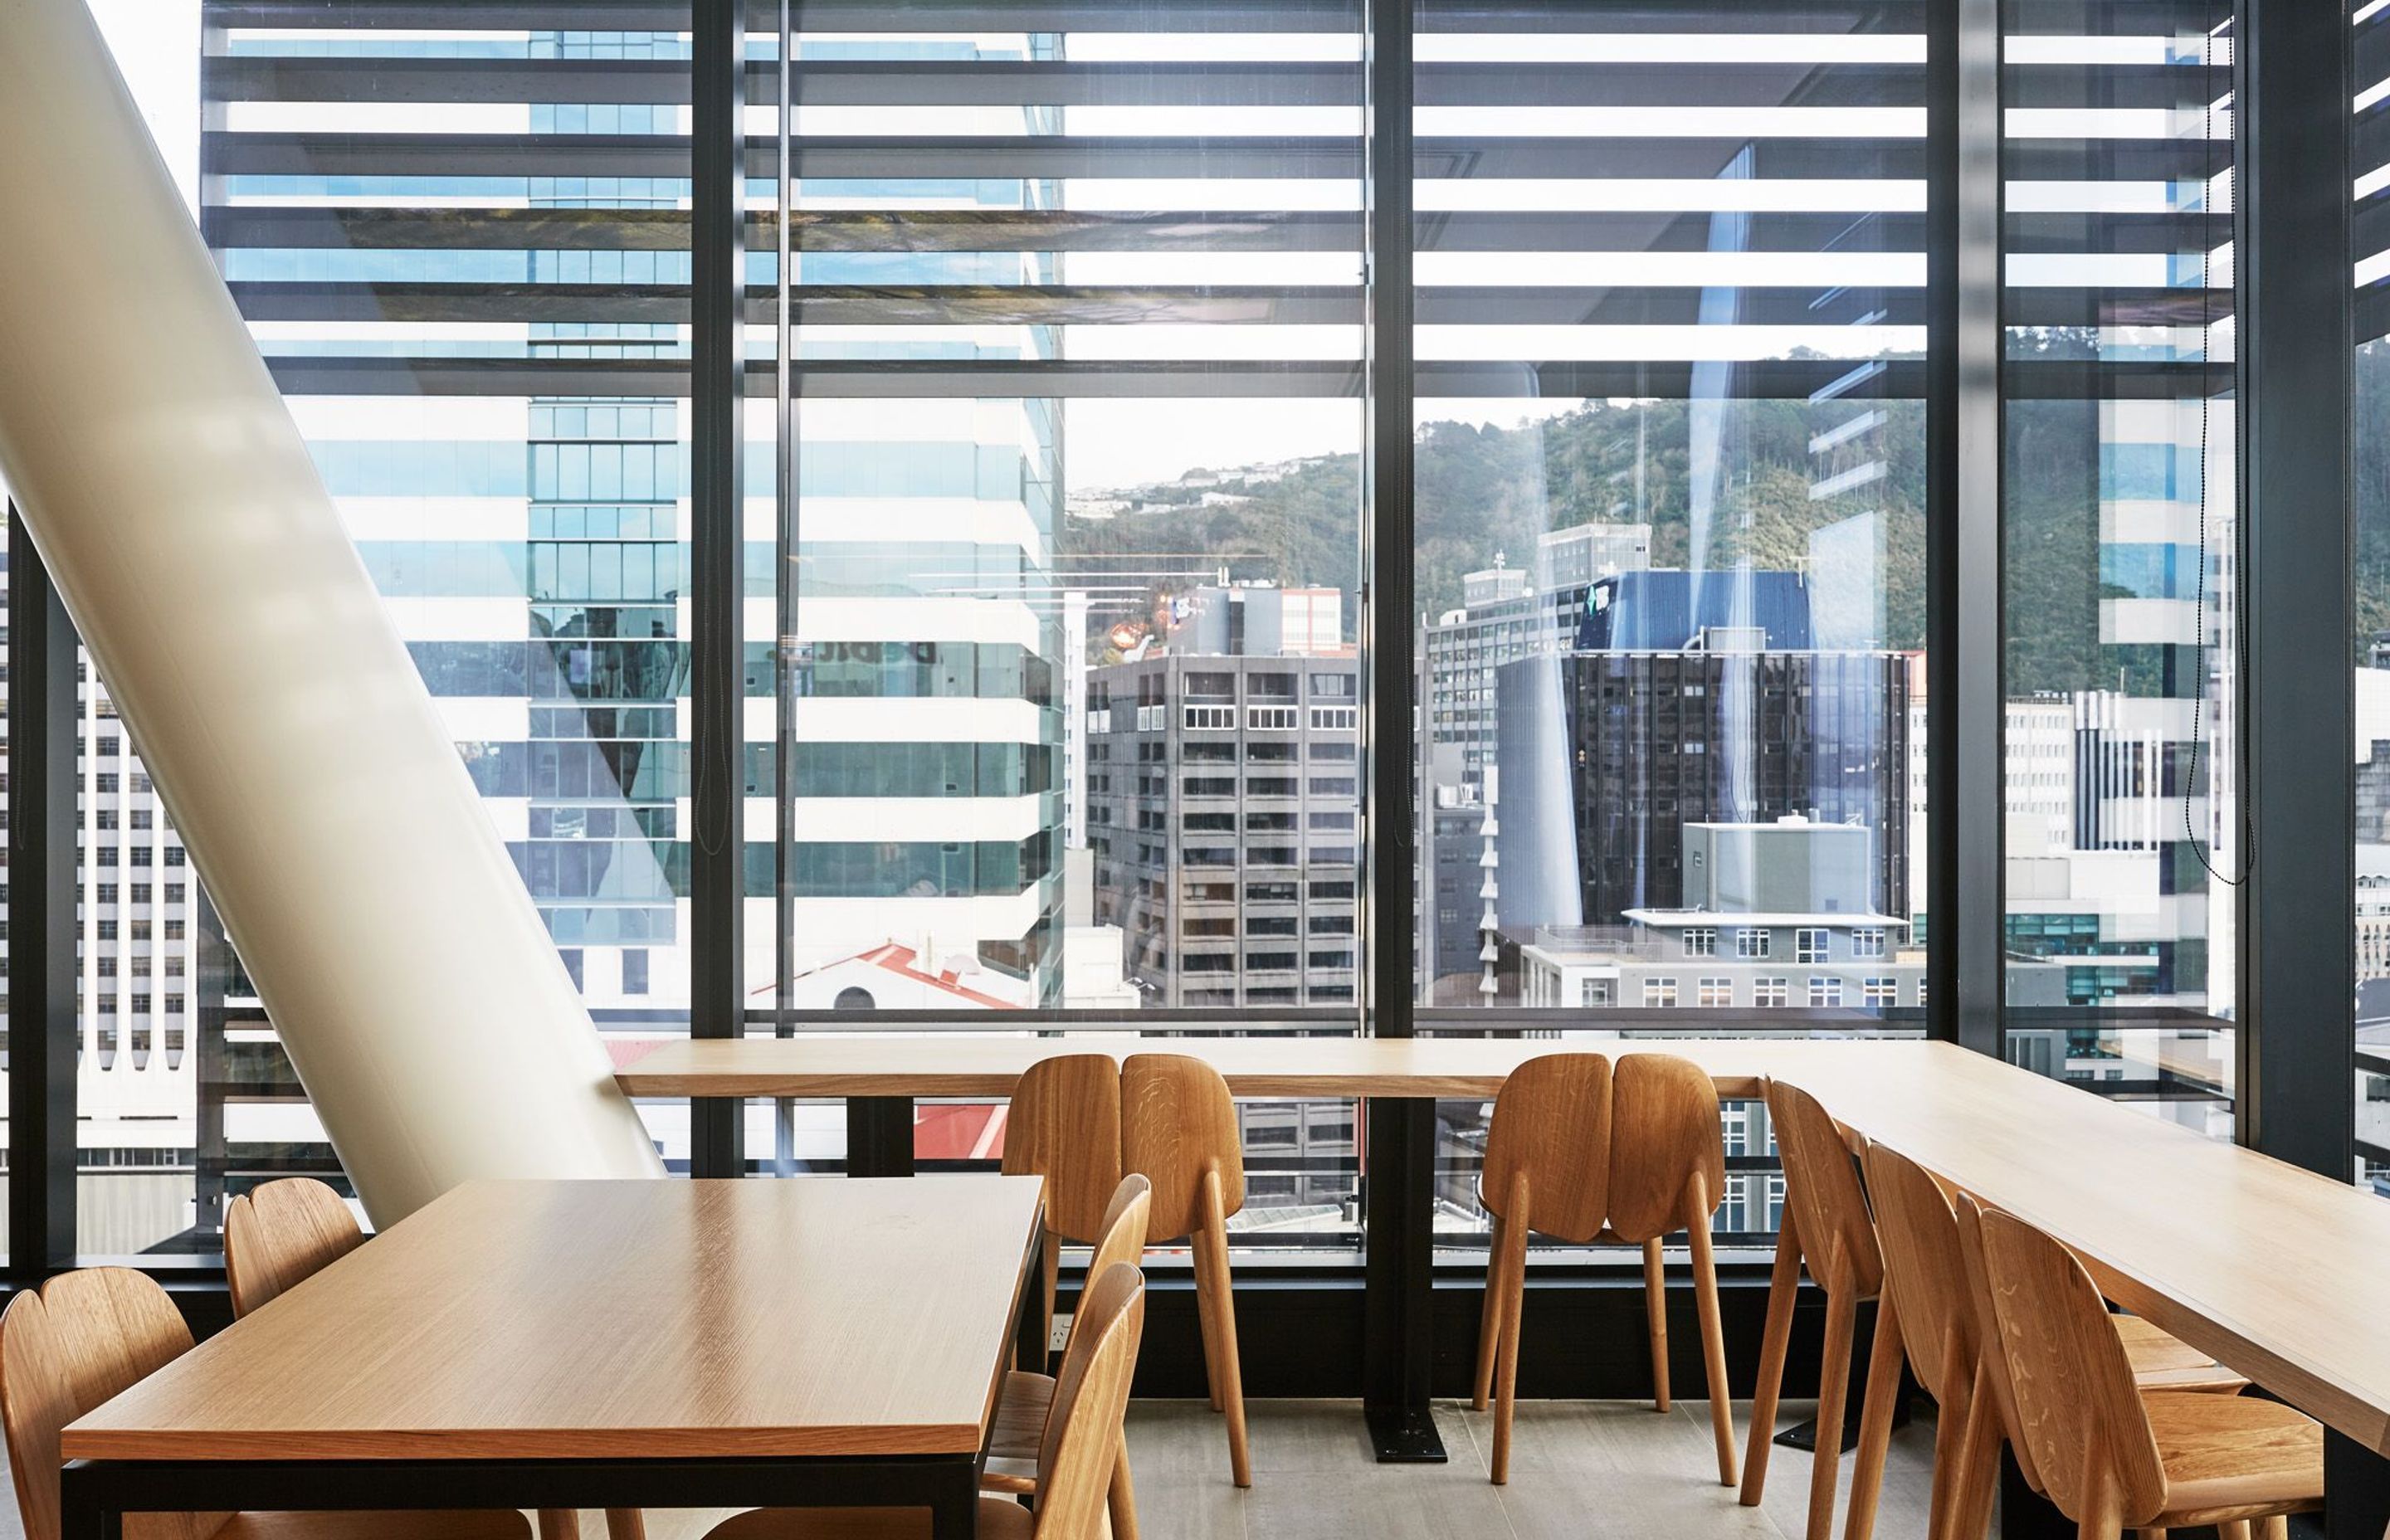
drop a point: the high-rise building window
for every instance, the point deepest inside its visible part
(1750, 942)
(1825, 991)
(1701, 942)
(1658, 991)
(1716, 991)
(1810, 945)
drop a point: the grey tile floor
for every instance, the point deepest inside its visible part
(1579, 1469)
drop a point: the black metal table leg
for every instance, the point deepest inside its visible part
(879, 1136)
(954, 1500)
(2356, 1490)
(1398, 1188)
(1030, 1347)
(2025, 1513)
(83, 1510)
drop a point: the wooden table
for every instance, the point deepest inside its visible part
(602, 1344)
(2277, 1272)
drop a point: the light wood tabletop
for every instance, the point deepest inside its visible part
(524, 1320)
(2275, 1271)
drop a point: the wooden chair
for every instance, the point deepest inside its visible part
(1667, 1172)
(2112, 1456)
(1179, 1131)
(1076, 1455)
(1547, 1155)
(1064, 1124)
(1927, 1278)
(1026, 1402)
(1827, 1228)
(2160, 1362)
(90, 1335)
(282, 1233)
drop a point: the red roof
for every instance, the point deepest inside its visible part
(904, 962)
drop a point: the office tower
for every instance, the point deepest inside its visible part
(1509, 612)
(1607, 755)
(1224, 809)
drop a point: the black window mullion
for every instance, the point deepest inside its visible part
(717, 854)
(1965, 710)
(2297, 1043)
(42, 828)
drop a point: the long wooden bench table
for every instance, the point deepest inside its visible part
(2280, 1273)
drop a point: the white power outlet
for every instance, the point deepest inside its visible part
(1061, 1337)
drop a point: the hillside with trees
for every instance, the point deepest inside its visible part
(1484, 491)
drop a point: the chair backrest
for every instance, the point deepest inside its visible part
(1664, 1130)
(2076, 1408)
(86, 1337)
(282, 1234)
(1926, 1273)
(1821, 1188)
(1178, 1122)
(1064, 1124)
(1122, 1237)
(1083, 1432)
(1991, 1357)
(1549, 1141)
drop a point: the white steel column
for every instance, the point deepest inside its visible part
(296, 750)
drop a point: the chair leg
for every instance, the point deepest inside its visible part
(627, 1523)
(1511, 1263)
(1489, 1322)
(1705, 1296)
(2274, 1526)
(1655, 1316)
(1120, 1501)
(560, 1523)
(1979, 1465)
(1875, 1422)
(1834, 1387)
(1950, 1436)
(1223, 1311)
(2236, 1528)
(1206, 1316)
(1783, 1284)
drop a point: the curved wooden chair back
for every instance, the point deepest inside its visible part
(2077, 1407)
(1923, 1270)
(280, 1235)
(1547, 1149)
(87, 1337)
(1083, 1432)
(1178, 1124)
(1122, 1237)
(1664, 1131)
(1064, 1124)
(1821, 1188)
(1992, 1358)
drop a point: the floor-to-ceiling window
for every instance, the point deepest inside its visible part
(2123, 831)
(1056, 528)
(1670, 531)
(1062, 597)
(2370, 649)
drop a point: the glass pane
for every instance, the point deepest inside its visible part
(2121, 530)
(1073, 690)
(2370, 649)
(475, 307)
(1670, 500)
